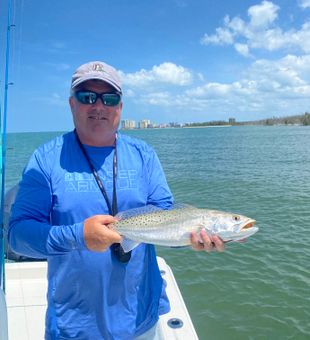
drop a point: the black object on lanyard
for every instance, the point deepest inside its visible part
(116, 247)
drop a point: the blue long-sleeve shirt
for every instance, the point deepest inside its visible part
(90, 295)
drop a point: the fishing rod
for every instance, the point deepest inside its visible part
(3, 146)
(1, 225)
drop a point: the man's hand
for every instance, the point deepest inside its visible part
(206, 242)
(97, 236)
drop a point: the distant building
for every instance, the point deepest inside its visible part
(144, 124)
(128, 124)
(232, 121)
(175, 124)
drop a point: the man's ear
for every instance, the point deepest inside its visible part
(71, 102)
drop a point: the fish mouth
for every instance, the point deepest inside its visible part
(248, 224)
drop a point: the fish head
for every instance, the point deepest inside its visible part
(239, 223)
(229, 222)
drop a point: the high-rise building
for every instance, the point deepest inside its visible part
(128, 124)
(144, 124)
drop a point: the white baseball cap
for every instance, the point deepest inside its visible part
(97, 70)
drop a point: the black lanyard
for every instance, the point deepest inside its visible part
(116, 247)
(112, 208)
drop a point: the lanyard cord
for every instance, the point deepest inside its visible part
(116, 247)
(112, 208)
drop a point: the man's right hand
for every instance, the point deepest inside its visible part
(97, 236)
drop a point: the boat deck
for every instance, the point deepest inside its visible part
(26, 287)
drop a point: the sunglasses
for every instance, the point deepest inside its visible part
(90, 97)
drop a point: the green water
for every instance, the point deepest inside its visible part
(256, 290)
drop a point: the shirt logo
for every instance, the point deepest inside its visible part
(81, 182)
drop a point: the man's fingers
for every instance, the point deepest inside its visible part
(105, 219)
(197, 243)
(98, 236)
(218, 243)
(114, 236)
(206, 242)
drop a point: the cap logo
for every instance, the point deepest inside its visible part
(98, 67)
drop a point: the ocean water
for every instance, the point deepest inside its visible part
(259, 289)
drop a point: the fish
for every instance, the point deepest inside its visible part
(173, 227)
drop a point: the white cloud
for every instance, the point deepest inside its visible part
(300, 64)
(290, 73)
(210, 90)
(272, 78)
(304, 3)
(165, 73)
(171, 73)
(158, 98)
(261, 16)
(223, 36)
(129, 93)
(260, 32)
(242, 49)
(266, 88)
(236, 24)
(274, 81)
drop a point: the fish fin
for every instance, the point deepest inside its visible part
(129, 245)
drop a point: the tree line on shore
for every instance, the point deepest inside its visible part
(288, 120)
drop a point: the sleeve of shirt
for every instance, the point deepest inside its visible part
(159, 193)
(30, 231)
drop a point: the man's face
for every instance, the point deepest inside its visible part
(96, 123)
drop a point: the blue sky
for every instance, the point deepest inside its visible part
(180, 60)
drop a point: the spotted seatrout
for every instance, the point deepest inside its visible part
(173, 227)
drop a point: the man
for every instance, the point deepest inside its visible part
(70, 189)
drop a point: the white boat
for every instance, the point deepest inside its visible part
(26, 287)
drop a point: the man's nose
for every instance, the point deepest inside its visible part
(99, 104)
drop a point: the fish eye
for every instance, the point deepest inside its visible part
(236, 218)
